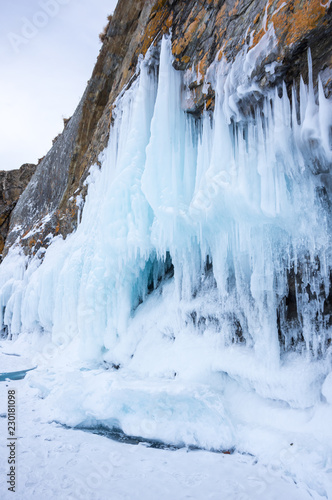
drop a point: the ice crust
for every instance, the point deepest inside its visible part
(168, 310)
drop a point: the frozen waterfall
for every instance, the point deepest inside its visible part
(203, 252)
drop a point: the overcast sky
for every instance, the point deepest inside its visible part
(48, 49)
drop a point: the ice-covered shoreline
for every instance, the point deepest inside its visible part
(284, 451)
(54, 462)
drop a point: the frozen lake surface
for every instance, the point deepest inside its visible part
(56, 462)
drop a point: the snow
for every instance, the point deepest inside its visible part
(11, 362)
(37, 227)
(56, 462)
(327, 388)
(166, 314)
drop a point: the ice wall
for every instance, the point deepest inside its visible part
(230, 210)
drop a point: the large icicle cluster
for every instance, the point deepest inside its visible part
(237, 205)
(200, 271)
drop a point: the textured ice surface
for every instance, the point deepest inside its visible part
(55, 462)
(191, 303)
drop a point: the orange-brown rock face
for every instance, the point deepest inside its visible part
(202, 31)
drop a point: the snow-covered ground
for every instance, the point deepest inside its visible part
(58, 463)
(55, 462)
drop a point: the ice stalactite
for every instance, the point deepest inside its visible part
(232, 208)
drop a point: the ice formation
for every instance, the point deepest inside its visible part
(201, 263)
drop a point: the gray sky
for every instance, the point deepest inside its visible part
(48, 49)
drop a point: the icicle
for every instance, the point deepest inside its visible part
(325, 121)
(234, 202)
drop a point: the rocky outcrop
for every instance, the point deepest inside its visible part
(202, 31)
(13, 183)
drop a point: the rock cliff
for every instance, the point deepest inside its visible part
(202, 31)
(12, 183)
